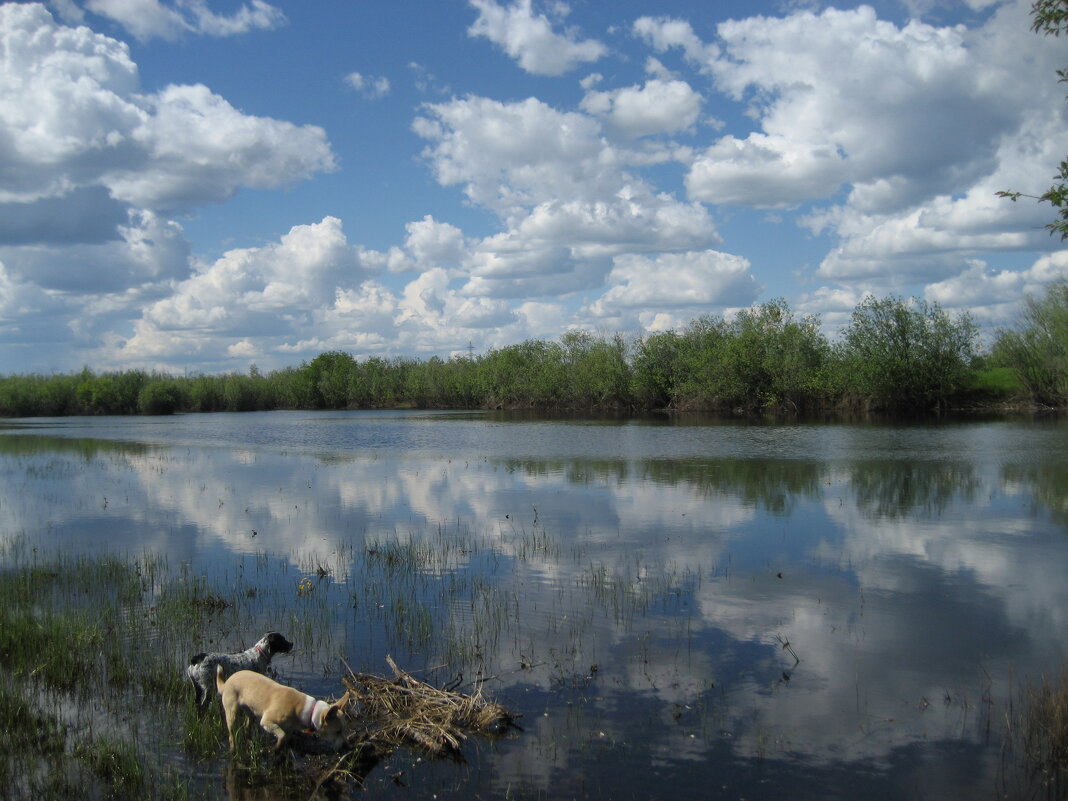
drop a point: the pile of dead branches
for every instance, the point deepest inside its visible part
(403, 711)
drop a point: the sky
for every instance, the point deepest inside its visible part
(200, 186)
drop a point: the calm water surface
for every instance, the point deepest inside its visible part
(677, 608)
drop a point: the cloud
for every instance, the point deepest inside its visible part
(665, 33)
(433, 244)
(199, 148)
(282, 282)
(29, 315)
(529, 38)
(149, 19)
(979, 286)
(692, 280)
(267, 296)
(310, 291)
(370, 86)
(905, 132)
(900, 114)
(538, 167)
(71, 118)
(659, 106)
(428, 301)
(84, 215)
(147, 250)
(511, 155)
(569, 199)
(855, 100)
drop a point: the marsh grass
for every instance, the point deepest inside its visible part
(116, 764)
(203, 735)
(1044, 731)
(441, 598)
(27, 729)
(103, 641)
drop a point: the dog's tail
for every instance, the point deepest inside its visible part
(219, 680)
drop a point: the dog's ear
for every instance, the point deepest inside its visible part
(336, 707)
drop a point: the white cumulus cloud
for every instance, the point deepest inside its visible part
(529, 37)
(568, 198)
(659, 106)
(72, 116)
(692, 280)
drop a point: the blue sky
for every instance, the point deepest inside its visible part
(203, 185)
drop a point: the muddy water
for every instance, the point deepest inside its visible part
(677, 608)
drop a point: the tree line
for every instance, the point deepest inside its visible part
(895, 355)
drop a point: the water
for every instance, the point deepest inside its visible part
(689, 608)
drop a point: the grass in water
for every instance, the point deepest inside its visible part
(81, 641)
(1045, 731)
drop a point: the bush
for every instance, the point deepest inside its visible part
(1037, 350)
(159, 396)
(907, 356)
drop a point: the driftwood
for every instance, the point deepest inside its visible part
(384, 714)
(405, 712)
(389, 713)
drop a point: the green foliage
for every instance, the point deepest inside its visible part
(329, 376)
(243, 393)
(772, 360)
(1049, 17)
(205, 394)
(896, 355)
(907, 356)
(596, 369)
(657, 370)
(159, 395)
(763, 358)
(1037, 350)
(109, 393)
(994, 384)
(527, 375)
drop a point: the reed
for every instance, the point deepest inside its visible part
(1045, 730)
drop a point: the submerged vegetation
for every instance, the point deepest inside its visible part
(894, 355)
(93, 698)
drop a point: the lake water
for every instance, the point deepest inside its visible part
(677, 607)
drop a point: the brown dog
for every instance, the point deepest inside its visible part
(281, 710)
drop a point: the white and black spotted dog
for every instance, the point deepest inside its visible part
(201, 669)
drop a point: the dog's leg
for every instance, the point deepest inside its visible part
(273, 728)
(230, 712)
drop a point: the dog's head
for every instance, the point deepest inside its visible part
(333, 727)
(274, 643)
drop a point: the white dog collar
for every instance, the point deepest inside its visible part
(308, 713)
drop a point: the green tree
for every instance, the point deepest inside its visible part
(773, 360)
(656, 371)
(1037, 349)
(159, 395)
(291, 389)
(596, 369)
(702, 364)
(241, 392)
(330, 376)
(98, 394)
(907, 355)
(205, 393)
(1050, 17)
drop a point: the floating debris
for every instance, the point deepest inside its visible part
(403, 711)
